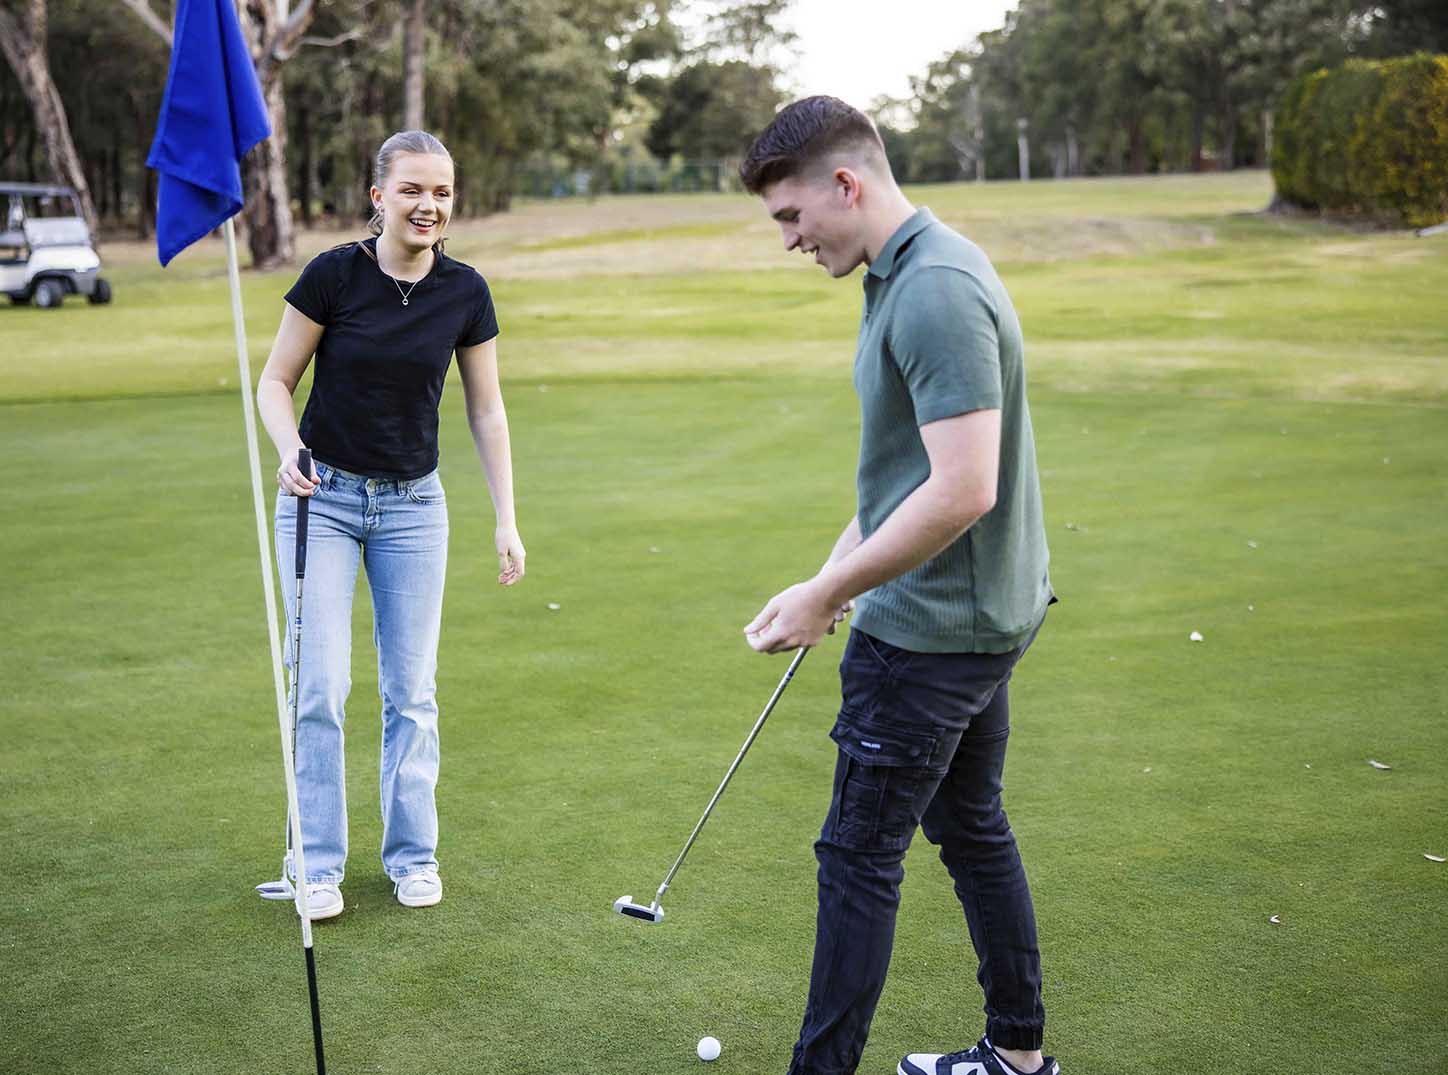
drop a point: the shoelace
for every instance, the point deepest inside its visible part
(979, 1053)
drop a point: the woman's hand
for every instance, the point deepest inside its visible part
(510, 554)
(290, 477)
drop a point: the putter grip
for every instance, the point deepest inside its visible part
(304, 464)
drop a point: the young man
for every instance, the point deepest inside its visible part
(947, 556)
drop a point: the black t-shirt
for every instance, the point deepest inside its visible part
(381, 365)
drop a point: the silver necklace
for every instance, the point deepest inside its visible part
(405, 294)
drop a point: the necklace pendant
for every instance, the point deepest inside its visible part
(404, 302)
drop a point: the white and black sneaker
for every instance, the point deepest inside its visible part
(979, 1059)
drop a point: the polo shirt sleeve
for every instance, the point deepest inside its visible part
(315, 292)
(943, 339)
(482, 324)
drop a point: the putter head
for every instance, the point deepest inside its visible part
(625, 906)
(276, 890)
(282, 889)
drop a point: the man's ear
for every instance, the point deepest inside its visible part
(847, 187)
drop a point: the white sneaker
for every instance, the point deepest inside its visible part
(323, 901)
(421, 889)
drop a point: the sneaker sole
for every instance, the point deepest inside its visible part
(420, 901)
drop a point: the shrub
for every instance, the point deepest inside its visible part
(1367, 137)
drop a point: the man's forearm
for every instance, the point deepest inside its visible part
(924, 525)
(848, 541)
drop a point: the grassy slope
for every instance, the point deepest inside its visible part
(1285, 456)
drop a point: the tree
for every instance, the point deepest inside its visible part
(1191, 40)
(748, 30)
(1276, 40)
(946, 142)
(714, 110)
(24, 40)
(110, 70)
(726, 92)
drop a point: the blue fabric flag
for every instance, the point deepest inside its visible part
(212, 114)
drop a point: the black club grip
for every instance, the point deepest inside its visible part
(304, 464)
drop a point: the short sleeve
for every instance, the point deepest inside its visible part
(943, 339)
(315, 292)
(482, 324)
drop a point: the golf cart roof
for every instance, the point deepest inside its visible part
(38, 189)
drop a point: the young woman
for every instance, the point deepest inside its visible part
(383, 317)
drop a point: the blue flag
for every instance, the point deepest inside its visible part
(212, 114)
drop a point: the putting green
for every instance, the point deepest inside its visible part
(1241, 437)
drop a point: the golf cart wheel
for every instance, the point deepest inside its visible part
(47, 293)
(101, 295)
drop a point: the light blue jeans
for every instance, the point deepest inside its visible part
(398, 530)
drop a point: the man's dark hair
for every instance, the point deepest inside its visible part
(802, 135)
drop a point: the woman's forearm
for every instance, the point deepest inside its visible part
(490, 435)
(278, 415)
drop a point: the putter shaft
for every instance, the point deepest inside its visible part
(753, 734)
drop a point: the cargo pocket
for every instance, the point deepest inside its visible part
(884, 778)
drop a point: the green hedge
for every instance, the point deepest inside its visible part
(1367, 137)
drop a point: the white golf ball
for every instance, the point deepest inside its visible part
(708, 1049)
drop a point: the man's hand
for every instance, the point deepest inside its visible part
(798, 616)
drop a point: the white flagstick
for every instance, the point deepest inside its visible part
(268, 581)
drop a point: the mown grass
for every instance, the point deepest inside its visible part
(1241, 436)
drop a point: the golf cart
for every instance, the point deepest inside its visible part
(45, 247)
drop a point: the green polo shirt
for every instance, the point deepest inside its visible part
(940, 338)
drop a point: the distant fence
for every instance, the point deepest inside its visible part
(636, 176)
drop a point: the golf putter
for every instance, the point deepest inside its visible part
(282, 888)
(304, 464)
(654, 912)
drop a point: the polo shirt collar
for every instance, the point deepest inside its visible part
(884, 262)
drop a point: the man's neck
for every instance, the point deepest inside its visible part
(885, 222)
(400, 261)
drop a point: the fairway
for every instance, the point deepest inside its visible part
(1242, 424)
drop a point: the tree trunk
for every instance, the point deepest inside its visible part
(146, 218)
(414, 49)
(23, 40)
(1229, 138)
(100, 177)
(304, 186)
(1198, 134)
(1136, 140)
(978, 118)
(268, 210)
(1267, 118)
(118, 186)
(146, 205)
